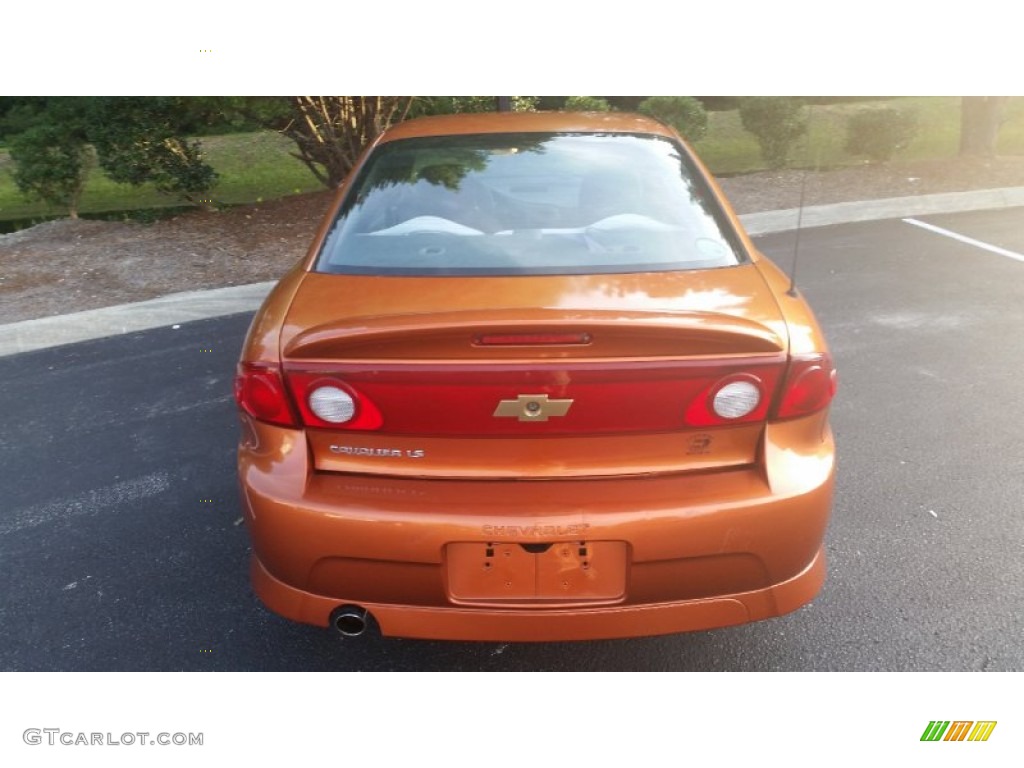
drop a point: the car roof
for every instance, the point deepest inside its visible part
(527, 122)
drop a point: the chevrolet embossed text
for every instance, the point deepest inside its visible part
(575, 529)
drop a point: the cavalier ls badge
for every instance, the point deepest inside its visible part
(532, 408)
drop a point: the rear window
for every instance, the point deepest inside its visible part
(528, 204)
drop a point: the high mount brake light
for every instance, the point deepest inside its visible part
(260, 392)
(530, 339)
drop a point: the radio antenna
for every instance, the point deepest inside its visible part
(800, 210)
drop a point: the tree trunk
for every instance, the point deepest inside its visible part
(980, 119)
(330, 132)
(86, 162)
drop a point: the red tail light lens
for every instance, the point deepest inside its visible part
(260, 392)
(573, 398)
(810, 386)
(330, 403)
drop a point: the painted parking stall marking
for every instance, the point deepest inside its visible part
(964, 239)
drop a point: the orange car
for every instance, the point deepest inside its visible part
(534, 382)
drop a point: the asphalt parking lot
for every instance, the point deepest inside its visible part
(121, 546)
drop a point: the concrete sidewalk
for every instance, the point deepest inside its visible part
(177, 308)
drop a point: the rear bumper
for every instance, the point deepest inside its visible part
(552, 624)
(703, 550)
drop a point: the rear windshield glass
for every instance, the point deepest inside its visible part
(527, 204)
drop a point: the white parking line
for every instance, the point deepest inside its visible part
(965, 239)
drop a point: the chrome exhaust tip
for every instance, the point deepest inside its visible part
(350, 620)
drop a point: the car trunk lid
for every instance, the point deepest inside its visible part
(582, 386)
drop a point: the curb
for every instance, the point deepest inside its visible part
(31, 335)
(885, 208)
(172, 309)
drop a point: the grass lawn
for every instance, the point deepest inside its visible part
(252, 166)
(728, 149)
(255, 166)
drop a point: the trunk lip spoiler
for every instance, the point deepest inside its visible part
(474, 323)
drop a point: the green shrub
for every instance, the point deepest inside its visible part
(51, 164)
(140, 140)
(587, 104)
(880, 133)
(777, 122)
(684, 113)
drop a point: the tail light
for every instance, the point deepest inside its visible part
(260, 392)
(735, 399)
(810, 386)
(319, 401)
(332, 404)
(594, 398)
(462, 402)
(328, 402)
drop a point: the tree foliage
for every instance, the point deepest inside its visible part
(455, 105)
(52, 163)
(684, 113)
(777, 122)
(880, 133)
(330, 132)
(142, 140)
(19, 113)
(135, 140)
(587, 104)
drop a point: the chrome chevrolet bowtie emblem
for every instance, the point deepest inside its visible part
(532, 408)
